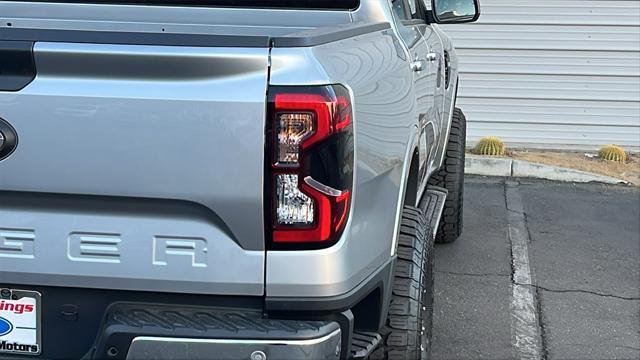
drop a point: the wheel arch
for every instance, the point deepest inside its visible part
(407, 167)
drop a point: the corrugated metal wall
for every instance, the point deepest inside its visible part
(552, 73)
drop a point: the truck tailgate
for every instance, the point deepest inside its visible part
(137, 167)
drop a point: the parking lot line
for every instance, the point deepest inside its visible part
(525, 329)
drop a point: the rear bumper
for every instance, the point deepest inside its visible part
(148, 331)
(117, 324)
(93, 324)
(114, 324)
(325, 347)
(167, 325)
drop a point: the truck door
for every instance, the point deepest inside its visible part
(412, 26)
(438, 88)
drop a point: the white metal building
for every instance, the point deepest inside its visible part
(552, 73)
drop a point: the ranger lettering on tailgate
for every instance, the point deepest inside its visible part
(105, 248)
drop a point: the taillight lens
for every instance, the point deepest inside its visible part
(292, 130)
(309, 166)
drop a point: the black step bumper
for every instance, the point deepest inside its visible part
(147, 331)
(109, 324)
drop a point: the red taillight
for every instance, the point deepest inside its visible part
(310, 165)
(302, 104)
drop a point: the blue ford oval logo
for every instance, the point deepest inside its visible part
(5, 327)
(8, 139)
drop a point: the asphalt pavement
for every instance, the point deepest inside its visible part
(580, 257)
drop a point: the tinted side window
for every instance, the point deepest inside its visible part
(413, 7)
(400, 9)
(407, 31)
(420, 10)
(409, 9)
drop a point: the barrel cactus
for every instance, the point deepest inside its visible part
(490, 145)
(613, 153)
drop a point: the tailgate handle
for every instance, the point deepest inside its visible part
(17, 65)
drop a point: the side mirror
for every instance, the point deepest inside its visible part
(455, 11)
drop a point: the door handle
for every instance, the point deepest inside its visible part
(432, 56)
(417, 65)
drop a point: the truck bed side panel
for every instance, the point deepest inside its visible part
(375, 69)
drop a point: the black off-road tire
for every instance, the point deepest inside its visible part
(451, 177)
(408, 330)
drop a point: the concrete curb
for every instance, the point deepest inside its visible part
(487, 166)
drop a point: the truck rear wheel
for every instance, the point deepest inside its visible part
(407, 332)
(451, 177)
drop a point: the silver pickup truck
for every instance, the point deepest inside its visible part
(226, 179)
